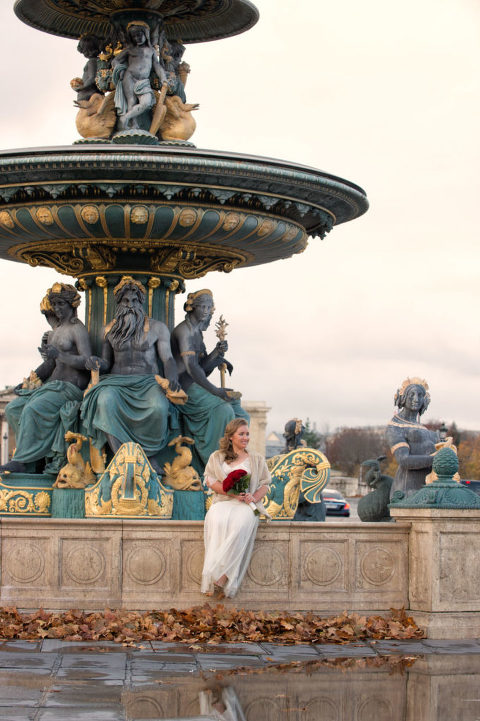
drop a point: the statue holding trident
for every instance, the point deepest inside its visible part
(208, 408)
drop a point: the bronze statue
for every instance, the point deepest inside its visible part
(132, 68)
(293, 434)
(129, 404)
(209, 408)
(410, 442)
(86, 86)
(374, 506)
(41, 418)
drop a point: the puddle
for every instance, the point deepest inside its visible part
(430, 687)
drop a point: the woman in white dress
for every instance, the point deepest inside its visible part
(231, 523)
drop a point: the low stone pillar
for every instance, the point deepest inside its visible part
(257, 411)
(444, 573)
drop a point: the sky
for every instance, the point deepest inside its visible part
(383, 94)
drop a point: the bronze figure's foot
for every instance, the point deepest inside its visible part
(13, 467)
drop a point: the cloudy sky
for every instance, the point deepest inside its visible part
(383, 94)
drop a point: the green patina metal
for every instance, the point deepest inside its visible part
(161, 211)
(442, 493)
(192, 21)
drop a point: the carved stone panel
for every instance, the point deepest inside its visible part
(380, 565)
(24, 562)
(323, 566)
(420, 571)
(146, 566)
(86, 563)
(191, 565)
(268, 568)
(459, 571)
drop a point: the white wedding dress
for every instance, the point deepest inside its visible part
(229, 534)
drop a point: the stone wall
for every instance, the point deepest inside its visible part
(94, 563)
(425, 562)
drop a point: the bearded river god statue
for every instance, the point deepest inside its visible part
(128, 404)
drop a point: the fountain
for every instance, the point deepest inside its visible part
(134, 197)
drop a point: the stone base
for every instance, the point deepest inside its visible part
(448, 625)
(91, 564)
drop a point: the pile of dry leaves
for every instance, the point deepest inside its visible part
(204, 624)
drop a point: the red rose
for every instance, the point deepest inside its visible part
(232, 479)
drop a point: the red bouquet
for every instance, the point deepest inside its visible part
(236, 482)
(239, 482)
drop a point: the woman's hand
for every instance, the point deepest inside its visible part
(247, 498)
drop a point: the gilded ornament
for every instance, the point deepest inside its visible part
(129, 488)
(178, 122)
(44, 216)
(32, 382)
(90, 214)
(187, 217)
(129, 280)
(139, 214)
(266, 226)
(96, 117)
(100, 257)
(6, 219)
(24, 503)
(303, 471)
(76, 473)
(42, 501)
(231, 221)
(180, 474)
(290, 233)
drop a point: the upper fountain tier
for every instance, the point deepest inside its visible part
(193, 21)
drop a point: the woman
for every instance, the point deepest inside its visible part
(230, 523)
(410, 442)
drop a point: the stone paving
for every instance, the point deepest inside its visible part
(51, 680)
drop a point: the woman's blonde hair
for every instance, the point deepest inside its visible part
(225, 445)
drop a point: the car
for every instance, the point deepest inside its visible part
(335, 503)
(473, 485)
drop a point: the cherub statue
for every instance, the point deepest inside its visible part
(131, 75)
(85, 87)
(96, 116)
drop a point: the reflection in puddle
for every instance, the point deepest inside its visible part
(429, 688)
(165, 686)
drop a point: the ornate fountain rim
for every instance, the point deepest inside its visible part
(210, 20)
(63, 207)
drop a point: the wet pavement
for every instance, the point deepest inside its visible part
(371, 681)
